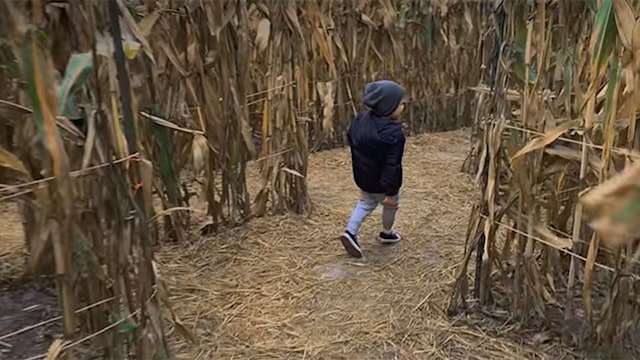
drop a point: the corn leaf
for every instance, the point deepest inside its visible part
(38, 71)
(427, 33)
(603, 38)
(614, 207)
(165, 157)
(78, 68)
(625, 21)
(8, 160)
(546, 139)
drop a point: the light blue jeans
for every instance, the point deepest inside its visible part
(369, 202)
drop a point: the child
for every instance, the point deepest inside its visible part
(377, 145)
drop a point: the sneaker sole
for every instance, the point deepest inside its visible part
(389, 241)
(351, 248)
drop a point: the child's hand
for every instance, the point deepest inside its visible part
(389, 201)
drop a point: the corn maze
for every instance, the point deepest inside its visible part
(172, 178)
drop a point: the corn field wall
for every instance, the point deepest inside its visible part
(555, 151)
(430, 49)
(107, 106)
(217, 84)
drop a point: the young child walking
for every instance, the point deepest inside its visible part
(377, 145)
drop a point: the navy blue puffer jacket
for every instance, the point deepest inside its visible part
(377, 146)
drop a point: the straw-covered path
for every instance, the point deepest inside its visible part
(283, 288)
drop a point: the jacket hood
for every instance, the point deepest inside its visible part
(369, 131)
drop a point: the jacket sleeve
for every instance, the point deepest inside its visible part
(391, 178)
(350, 130)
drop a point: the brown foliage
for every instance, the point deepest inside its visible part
(559, 121)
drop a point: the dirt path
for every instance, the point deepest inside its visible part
(283, 288)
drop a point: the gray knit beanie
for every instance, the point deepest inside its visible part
(383, 97)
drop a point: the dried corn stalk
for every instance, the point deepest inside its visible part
(570, 129)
